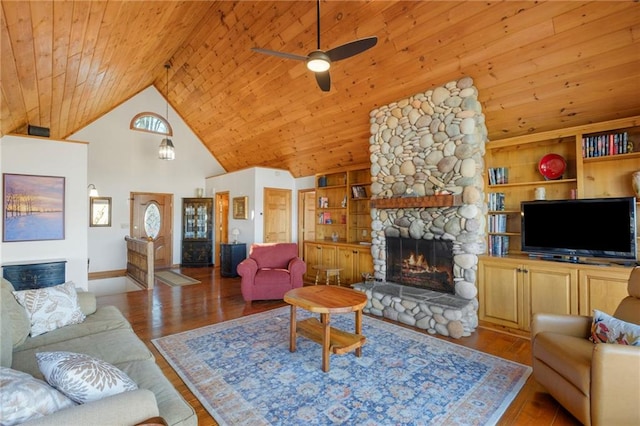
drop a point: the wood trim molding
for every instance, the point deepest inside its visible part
(445, 200)
(107, 274)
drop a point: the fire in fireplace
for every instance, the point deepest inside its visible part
(420, 263)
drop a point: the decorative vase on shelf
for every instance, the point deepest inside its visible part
(635, 182)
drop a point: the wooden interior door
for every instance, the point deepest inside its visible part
(277, 215)
(221, 216)
(162, 241)
(306, 218)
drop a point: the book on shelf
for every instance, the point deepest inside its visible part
(495, 201)
(323, 202)
(498, 245)
(497, 223)
(324, 218)
(606, 144)
(498, 175)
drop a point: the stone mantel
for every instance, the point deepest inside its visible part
(443, 200)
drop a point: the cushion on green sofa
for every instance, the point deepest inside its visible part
(104, 319)
(24, 397)
(81, 377)
(50, 308)
(112, 346)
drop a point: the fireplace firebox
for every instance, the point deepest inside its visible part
(421, 263)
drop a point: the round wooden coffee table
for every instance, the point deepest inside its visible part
(327, 300)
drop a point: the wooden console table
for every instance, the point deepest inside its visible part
(327, 300)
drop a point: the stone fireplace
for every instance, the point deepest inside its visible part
(427, 196)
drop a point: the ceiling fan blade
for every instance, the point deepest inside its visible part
(352, 48)
(280, 54)
(324, 80)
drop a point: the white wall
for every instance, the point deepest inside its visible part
(47, 157)
(121, 161)
(252, 182)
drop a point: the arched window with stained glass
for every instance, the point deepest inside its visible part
(152, 123)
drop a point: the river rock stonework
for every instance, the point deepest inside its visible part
(428, 144)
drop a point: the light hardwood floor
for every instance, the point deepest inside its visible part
(167, 310)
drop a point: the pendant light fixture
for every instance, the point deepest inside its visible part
(167, 151)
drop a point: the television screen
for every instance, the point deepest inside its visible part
(596, 227)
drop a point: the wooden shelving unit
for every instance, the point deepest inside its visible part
(343, 211)
(514, 287)
(593, 177)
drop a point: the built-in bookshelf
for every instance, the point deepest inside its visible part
(343, 208)
(605, 144)
(600, 159)
(497, 221)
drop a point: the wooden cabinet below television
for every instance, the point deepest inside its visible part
(512, 289)
(602, 288)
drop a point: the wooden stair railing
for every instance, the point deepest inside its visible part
(140, 261)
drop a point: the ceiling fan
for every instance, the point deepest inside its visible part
(319, 61)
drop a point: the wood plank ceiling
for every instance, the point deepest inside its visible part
(538, 66)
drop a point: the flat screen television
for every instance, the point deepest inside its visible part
(567, 230)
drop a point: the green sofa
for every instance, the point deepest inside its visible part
(104, 334)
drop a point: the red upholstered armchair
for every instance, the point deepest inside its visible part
(270, 271)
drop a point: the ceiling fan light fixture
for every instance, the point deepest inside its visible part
(318, 61)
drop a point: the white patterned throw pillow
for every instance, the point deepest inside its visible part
(23, 397)
(81, 377)
(50, 308)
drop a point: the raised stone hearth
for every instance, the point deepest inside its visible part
(433, 311)
(426, 156)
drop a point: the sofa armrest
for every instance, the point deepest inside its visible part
(570, 325)
(87, 301)
(615, 384)
(297, 266)
(247, 268)
(126, 408)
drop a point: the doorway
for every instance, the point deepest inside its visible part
(306, 218)
(221, 221)
(277, 215)
(152, 218)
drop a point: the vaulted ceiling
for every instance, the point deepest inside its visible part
(537, 65)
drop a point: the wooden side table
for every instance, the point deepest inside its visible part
(328, 272)
(327, 300)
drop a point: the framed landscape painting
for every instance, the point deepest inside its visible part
(33, 207)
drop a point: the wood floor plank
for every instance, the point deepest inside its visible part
(167, 310)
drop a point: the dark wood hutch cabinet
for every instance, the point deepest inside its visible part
(197, 235)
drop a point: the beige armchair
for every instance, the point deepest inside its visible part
(598, 383)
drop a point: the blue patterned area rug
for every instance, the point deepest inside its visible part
(243, 374)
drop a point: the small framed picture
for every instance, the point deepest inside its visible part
(359, 191)
(100, 211)
(240, 207)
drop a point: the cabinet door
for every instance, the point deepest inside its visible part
(549, 289)
(500, 293)
(328, 255)
(602, 289)
(344, 261)
(312, 256)
(364, 263)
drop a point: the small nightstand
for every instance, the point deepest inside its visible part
(230, 256)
